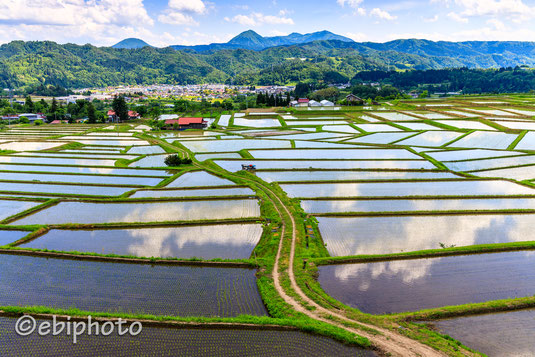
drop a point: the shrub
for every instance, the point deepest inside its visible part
(38, 122)
(175, 160)
(24, 120)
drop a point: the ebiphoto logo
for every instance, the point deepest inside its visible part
(27, 325)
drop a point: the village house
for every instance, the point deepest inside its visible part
(132, 115)
(352, 99)
(185, 123)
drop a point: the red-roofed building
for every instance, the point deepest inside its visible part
(186, 123)
(302, 102)
(131, 115)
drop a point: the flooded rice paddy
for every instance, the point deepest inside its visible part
(129, 288)
(8, 237)
(404, 189)
(199, 178)
(227, 241)
(391, 234)
(190, 342)
(289, 176)
(10, 207)
(498, 334)
(411, 285)
(349, 154)
(240, 191)
(87, 212)
(235, 165)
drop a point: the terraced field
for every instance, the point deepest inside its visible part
(420, 210)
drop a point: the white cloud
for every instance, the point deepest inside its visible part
(196, 6)
(257, 19)
(498, 25)
(515, 10)
(456, 17)
(351, 3)
(101, 22)
(382, 14)
(177, 18)
(74, 12)
(354, 4)
(179, 12)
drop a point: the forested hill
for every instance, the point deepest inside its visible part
(333, 61)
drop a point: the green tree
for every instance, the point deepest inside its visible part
(424, 94)
(302, 90)
(388, 92)
(54, 106)
(91, 113)
(330, 93)
(364, 92)
(28, 105)
(120, 108)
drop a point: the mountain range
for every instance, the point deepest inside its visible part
(250, 40)
(248, 59)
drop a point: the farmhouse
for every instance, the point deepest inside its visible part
(185, 123)
(131, 115)
(353, 99)
(302, 102)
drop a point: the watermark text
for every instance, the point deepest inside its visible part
(28, 325)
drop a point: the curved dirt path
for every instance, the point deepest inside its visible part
(386, 341)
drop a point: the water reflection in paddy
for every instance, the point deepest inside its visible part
(355, 154)
(55, 161)
(10, 207)
(86, 212)
(410, 285)
(499, 334)
(385, 235)
(235, 165)
(199, 178)
(288, 176)
(8, 237)
(400, 205)
(63, 189)
(85, 170)
(228, 241)
(404, 189)
(94, 179)
(234, 145)
(240, 191)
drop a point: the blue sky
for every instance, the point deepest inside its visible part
(188, 22)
